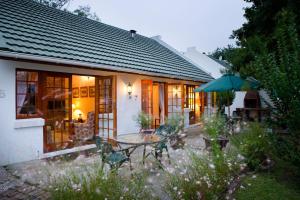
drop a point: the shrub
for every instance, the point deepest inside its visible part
(205, 177)
(93, 183)
(175, 124)
(215, 126)
(143, 120)
(254, 143)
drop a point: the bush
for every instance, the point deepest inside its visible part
(215, 126)
(205, 177)
(93, 183)
(143, 120)
(255, 144)
(174, 124)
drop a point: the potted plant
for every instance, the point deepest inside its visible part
(144, 121)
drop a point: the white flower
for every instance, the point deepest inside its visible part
(98, 191)
(198, 182)
(199, 195)
(212, 166)
(175, 188)
(254, 176)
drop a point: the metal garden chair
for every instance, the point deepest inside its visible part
(162, 131)
(114, 158)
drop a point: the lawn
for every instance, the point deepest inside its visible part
(265, 186)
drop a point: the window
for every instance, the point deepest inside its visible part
(147, 96)
(26, 93)
(174, 99)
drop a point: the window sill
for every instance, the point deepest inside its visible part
(26, 123)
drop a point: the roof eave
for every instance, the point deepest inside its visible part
(75, 63)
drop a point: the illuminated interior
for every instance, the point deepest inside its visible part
(84, 102)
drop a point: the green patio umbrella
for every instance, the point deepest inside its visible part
(228, 82)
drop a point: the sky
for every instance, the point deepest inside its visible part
(205, 24)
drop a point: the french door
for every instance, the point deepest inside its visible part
(189, 102)
(106, 125)
(56, 108)
(175, 99)
(153, 101)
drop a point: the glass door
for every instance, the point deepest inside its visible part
(175, 99)
(56, 108)
(105, 107)
(189, 102)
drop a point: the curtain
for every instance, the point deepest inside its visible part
(162, 103)
(26, 86)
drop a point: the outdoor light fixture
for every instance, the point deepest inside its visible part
(129, 89)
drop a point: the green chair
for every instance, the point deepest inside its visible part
(114, 158)
(163, 132)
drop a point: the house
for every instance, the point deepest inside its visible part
(64, 78)
(251, 105)
(214, 67)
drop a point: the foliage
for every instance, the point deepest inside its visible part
(58, 4)
(175, 123)
(263, 187)
(288, 149)
(85, 11)
(206, 177)
(143, 120)
(225, 99)
(215, 126)
(254, 143)
(262, 18)
(93, 183)
(278, 72)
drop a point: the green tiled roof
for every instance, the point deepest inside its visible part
(29, 28)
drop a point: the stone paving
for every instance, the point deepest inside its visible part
(13, 188)
(27, 180)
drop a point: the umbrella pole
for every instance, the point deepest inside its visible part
(228, 106)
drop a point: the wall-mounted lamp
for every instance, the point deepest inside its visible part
(129, 90)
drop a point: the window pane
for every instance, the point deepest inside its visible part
(26, 93)
(21, 75)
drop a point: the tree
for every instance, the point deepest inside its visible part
(278, 70)
(58, 4)
(85, 11)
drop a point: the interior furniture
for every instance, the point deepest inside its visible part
(85, 131)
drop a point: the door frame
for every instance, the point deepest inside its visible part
(42, 86)
(114, 103)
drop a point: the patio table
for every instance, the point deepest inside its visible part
(135, 140)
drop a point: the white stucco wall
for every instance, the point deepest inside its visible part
(22, 140)
(16, 144)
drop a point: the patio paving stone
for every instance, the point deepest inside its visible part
(27, 180)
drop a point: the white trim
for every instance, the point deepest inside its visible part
(66, 151)
(26, 123)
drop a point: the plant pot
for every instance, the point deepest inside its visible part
(147, 131)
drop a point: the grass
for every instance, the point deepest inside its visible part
(265, 186)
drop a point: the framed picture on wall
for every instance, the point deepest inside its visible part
(92, 91)
(75, 92)
(84, 92)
